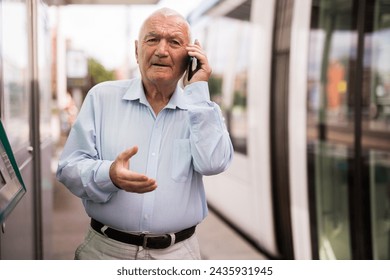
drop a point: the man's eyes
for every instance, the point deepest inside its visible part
(175, 42)
(151, 40)
(172, 42)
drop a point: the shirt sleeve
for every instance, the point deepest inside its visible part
(211, 146)
(80, 167)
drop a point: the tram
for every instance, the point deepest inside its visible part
(305, 88)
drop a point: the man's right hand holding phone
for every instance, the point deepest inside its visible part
(203, 69)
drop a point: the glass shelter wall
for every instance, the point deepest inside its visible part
(16, 111)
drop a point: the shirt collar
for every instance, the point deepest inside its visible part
(136, 92)
(177, 100)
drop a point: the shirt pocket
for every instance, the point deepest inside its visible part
(181, 160)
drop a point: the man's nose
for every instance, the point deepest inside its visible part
(162, 48)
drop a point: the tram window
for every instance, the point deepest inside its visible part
(332, 52)
(331, 118)
(330, 121)
(377, 57)
(15, 70)
(228, 83)
(376, 122)
(380, 203)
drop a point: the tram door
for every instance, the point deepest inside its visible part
(348, 129)
(376, 125)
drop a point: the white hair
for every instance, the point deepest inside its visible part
(167, 12)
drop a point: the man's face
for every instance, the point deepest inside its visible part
(161, 50)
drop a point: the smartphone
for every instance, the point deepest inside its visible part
(192, 67)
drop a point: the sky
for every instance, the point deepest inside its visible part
(107, 32)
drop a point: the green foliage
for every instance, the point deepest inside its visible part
(215, 86)
(98, 73)
(239, 99)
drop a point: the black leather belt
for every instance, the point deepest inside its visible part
(144, 240)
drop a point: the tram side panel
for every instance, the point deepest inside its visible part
(243, 193)
(297, 130)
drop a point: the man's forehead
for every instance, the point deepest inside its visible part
(173, 23)
(159, 24)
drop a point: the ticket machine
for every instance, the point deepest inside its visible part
(12, 187)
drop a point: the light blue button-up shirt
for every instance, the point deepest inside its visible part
(186, 140)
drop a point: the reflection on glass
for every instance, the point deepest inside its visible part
(376, 124)
(44, 75)
(380, 201)
(332, 55)
(331, 199)
(331, 94)
(15, 72)
(227, 42)
(377, 57)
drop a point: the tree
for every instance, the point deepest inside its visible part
(98, 73)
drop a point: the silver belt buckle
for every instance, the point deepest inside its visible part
(145, 241)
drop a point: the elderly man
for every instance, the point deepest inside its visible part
(139, 148)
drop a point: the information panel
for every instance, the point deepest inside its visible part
(12, 187)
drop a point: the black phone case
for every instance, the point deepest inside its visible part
(192, 67)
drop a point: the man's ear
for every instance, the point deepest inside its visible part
(136, 50)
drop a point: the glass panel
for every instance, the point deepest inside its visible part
(380, 203)
(376, 122)
(332, 201)
(44, 75)
(15, 72)
(332, 55)
(377, 58)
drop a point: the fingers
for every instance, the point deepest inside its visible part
(125, 156)
(137, 183)
(204, 69)
(126, 179)
(196, 50)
